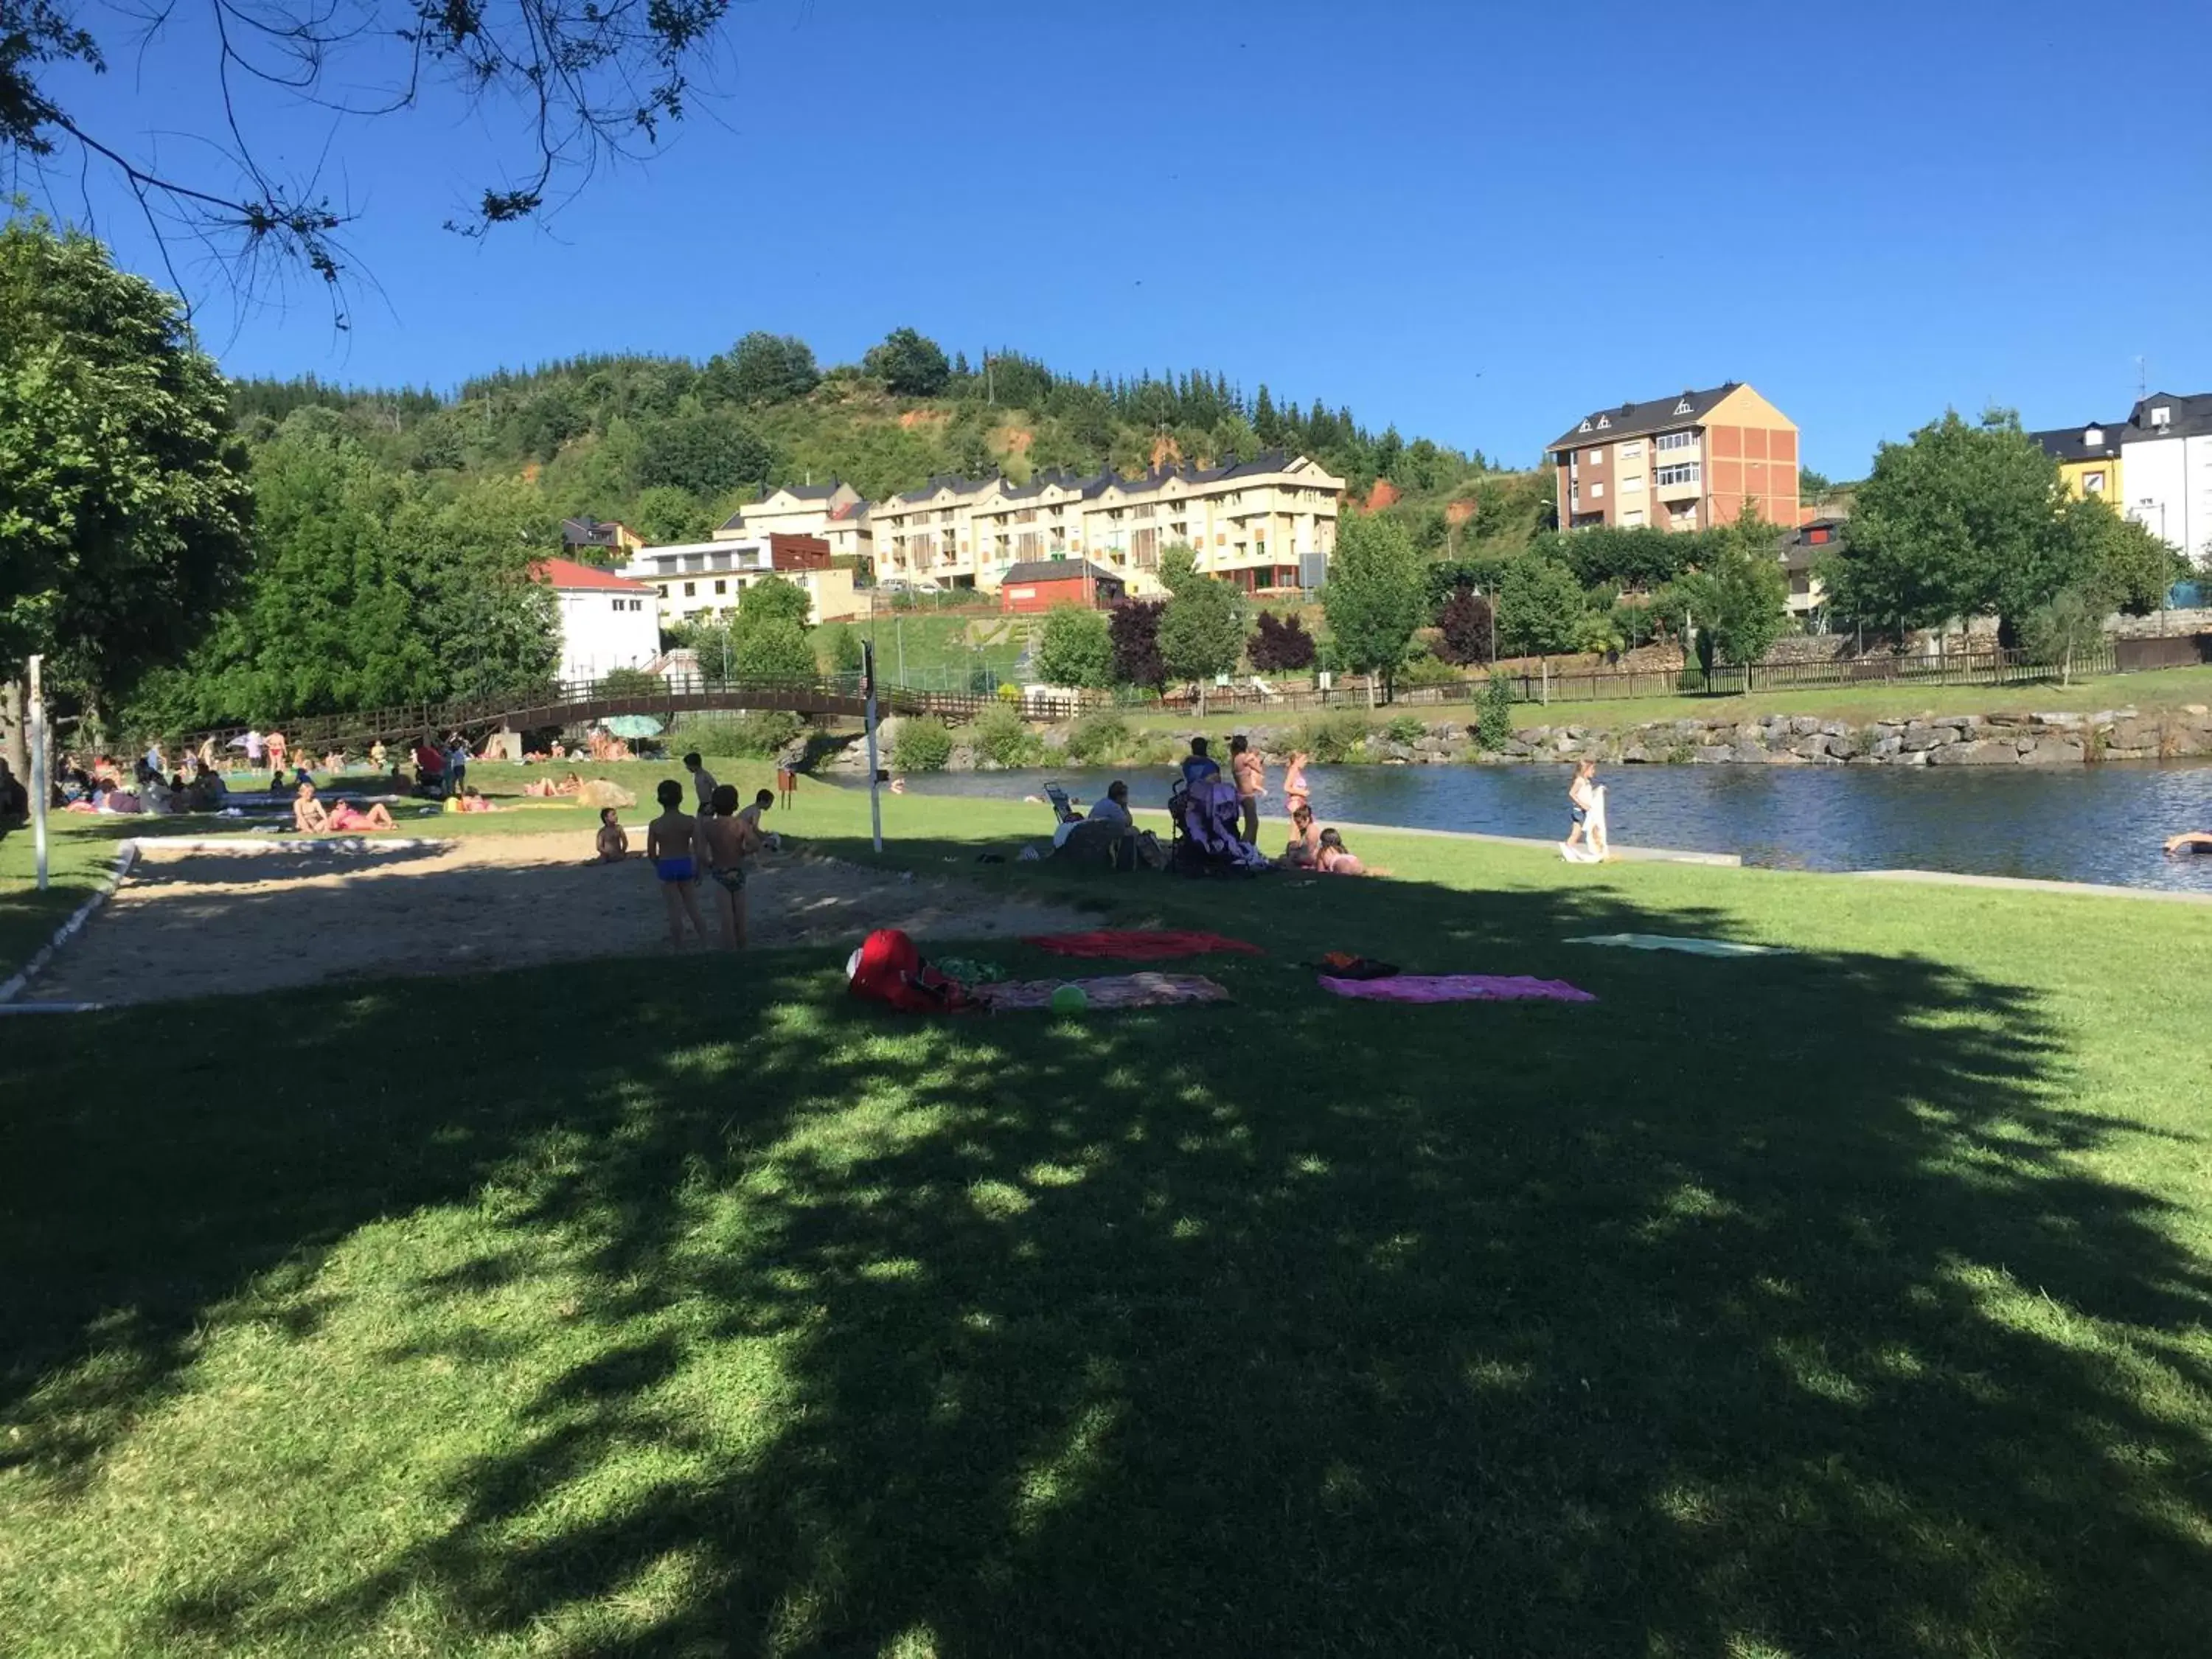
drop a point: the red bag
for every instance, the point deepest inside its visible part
(887, 968)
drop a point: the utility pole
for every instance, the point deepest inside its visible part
(41, 791)
(868, 714)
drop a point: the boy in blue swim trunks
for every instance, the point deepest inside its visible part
(670, 842)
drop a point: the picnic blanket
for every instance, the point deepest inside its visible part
(1696, 947)
(1130, 944)
(1114, 991)
(1457, 987)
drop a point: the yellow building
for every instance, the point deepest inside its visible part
(703, 581)
(1249, 522)
(2088, 459)
(835, 512)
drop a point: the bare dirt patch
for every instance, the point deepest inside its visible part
(189, 924)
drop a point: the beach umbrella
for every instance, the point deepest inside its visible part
(633, 725)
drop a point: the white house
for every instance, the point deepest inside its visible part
(607, 620)
(2166, 474)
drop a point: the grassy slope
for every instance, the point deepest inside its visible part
(2168, 689)
(1852, 1302)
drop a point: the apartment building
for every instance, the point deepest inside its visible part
(699, 581)
(2089, 458)
(1690, 462)
(1250, 522)
(835, 511)
(2166, 450)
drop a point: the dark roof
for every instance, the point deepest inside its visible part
(2191, 417)
(1057, 570)
(952, 481)
(1635, 420)
(737, 519)
(588, 532)
(821, 492)
(2069, 444)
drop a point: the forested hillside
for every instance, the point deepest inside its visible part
(671, 447)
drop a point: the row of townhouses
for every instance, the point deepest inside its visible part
(2155, 467)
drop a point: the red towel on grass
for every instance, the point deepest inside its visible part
(1127, 945)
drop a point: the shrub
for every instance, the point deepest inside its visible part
(1280, 644)
(1407, 729)
(757, 731)
(922, 744)
(630, 682)
(1001, 736)
(1076, 647)
(1334, 737)
(1096, 738)
(1465, 624)
(1422, 669)
(1494, 727)
(1134, 629)
(844, 649)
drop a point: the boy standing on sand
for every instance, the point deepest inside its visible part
(1250, 773)
(702, 782)
(670, 842)
(728, 837)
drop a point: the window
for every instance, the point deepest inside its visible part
(2094, 437)
(1604, 422)
(1818, 538)
(2093, 484)
(1631, 517)
(721, 587)
(1584, 427)
(690, 588)
(1675, 440)
(1595, 457)
(1596, 490)
(1681, 472)
(1682, 408)
(2162, 416)
(1632, 486)
(1632, 452)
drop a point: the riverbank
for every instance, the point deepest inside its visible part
(1838, 1297)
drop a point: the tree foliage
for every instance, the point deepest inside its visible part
(1076, 647)
(1541, 606)
(1201, 632)
(764, 369)
(1464, 627)
(1376, 595)
(909, 364)
(767, 639)
(1740, 600)
(706, 451)
(124, 505)
(1134, 628)
(1280, 645)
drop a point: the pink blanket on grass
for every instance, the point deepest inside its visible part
(1113, 991)
(1458, 987)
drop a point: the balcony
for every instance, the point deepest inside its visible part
(1674, 483)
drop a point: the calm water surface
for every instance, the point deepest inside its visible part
(2076, 824)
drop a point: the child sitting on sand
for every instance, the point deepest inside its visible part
(613, 844)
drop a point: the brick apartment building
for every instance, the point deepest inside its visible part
(1689, 462)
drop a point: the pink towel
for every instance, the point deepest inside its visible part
(1458, 987)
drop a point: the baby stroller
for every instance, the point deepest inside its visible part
(1206, 816)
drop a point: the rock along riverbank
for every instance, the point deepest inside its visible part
(2005, 739)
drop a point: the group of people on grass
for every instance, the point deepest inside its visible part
(151, 789)
(1310, 846)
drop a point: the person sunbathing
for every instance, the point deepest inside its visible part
(2192, 841)
(470, 801)
(1334, 858)
(547, 789)
(311, 817)
(1304, 851)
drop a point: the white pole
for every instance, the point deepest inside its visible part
(41, 792)
(875, 786)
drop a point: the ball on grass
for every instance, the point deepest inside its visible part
(1070, 999)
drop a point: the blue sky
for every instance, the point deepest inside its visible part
(1476, 223)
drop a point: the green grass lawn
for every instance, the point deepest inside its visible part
(1857, 1301)
(2165, 689)
(938, 650)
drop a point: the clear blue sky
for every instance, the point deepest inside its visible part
(1454, 217)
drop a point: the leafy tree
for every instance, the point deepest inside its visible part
(665, 513)
(773, 599)
(1076, 647)
(845, 655)
(1281, 645)
(1740, 601)
(775, 650)
(764, 369)
(1541, 606)
(2069, 625)
(1201, 631)
(922, 744)
(1376, 596)
(124, 503)
(1812, 485)
(588, 84)
(703, 453)
(1134, 628)
(631, 682)
(909, 365)
(1960, 521)
(2113, 561)
(1465, 627)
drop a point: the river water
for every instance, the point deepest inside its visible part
(2102, 823)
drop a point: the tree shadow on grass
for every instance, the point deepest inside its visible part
(1730, 1311)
